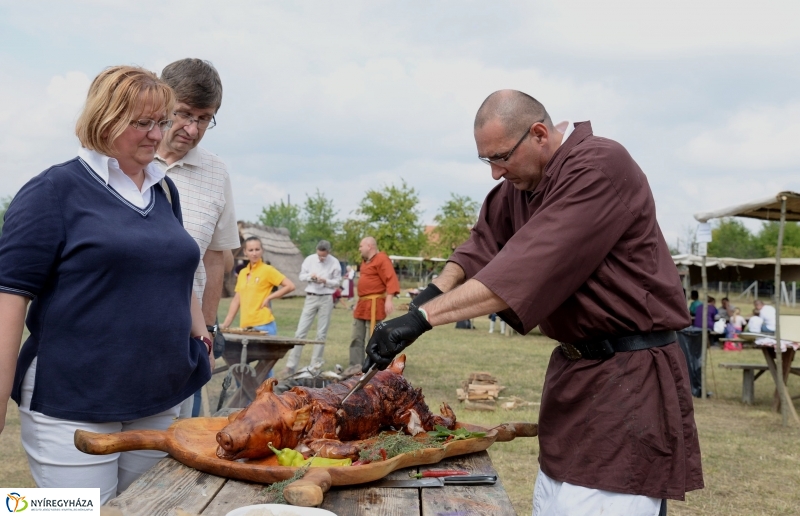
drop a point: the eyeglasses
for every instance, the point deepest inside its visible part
(202, 123)
(146, 124)
(502, 160)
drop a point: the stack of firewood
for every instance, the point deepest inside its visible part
(480, 391)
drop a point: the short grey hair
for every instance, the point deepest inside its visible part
(515, 110)
(324, 245)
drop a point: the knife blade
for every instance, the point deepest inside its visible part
(362, 382)
(464, 480)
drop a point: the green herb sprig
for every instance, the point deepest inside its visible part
(442, 434)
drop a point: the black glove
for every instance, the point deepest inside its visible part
(424, 296)
(392, 337)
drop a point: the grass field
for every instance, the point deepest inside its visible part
(751, 462)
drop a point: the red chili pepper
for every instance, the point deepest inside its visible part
(360, 463)
(383, 453)
(435, 473)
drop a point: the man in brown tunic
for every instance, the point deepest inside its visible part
(570, 242)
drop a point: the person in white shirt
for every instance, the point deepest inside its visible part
(323, 273)
(767, 314)
(202, 180)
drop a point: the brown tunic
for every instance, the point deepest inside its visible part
(582, 256)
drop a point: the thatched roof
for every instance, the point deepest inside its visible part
(279, 251)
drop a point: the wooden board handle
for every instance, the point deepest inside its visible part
(509, 431)
(309, 490)
(103, 444)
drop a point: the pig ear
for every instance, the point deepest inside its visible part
(297, 419)
(398, 365)
(267, 386)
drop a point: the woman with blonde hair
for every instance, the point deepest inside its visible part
(96, 245)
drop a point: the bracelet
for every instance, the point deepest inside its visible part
(206, 341)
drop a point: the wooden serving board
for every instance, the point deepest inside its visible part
(193, 442)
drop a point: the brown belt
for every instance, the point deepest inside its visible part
(372, 310)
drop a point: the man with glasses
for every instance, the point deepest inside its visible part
(202, 180)
(569, 242)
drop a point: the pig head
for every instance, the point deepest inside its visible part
(269, 419)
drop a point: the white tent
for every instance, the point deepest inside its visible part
(782, 207)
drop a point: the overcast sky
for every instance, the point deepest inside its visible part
(351, 95)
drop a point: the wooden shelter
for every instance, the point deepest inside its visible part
(279, 251)
(781, 207)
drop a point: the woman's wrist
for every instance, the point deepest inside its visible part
(207, 341)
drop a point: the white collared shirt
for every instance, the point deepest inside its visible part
(108, 170)
(206, 204)
(566, 127)
(329, 269)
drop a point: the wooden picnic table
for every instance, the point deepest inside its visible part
(748, 382)
(169, 487)
(266, 349)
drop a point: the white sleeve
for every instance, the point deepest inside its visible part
(226, 234)
(305, 273)
(336, 277)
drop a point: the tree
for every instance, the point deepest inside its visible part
(453, 223)
(346, 246)
(730, 238)
(318, 223)
(4, 202)
(280, 215)
(391, 216)
(767, 239)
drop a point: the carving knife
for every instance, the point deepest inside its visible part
(461, 480)
(362, 382)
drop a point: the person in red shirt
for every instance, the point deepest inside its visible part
(377, 286)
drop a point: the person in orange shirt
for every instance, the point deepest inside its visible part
(377, 286)
(254, 291)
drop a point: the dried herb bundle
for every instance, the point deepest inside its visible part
(276, 489)
(389, 444)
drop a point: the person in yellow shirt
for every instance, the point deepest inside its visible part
(254, 291)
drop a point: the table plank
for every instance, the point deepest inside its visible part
(467, 500)
(235, 494)
(373, 501)
(167, 486)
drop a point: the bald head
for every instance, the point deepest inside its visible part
(368, 247)
(515, 110)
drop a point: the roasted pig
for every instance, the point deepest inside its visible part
(315, 419)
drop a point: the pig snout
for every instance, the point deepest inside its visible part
(228, 447)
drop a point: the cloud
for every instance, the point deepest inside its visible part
(755, 138)
(685, 28)
(40, 120)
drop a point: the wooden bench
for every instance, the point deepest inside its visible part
(749, 377)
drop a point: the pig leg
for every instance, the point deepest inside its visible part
(333, 449)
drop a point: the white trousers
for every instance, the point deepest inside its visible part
(553, 498)
(320, 307)
(55, 462)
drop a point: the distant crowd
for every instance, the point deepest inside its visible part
(728, 320)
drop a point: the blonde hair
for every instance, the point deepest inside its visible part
(115, 98)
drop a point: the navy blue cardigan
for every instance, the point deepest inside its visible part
(111, 286)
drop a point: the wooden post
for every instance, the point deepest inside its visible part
(704, 350)
(782, 395)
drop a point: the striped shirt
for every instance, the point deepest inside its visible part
(206, 203)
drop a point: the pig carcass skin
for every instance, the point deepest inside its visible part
(314, 420)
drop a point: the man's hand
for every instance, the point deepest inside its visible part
(428, 293)
(389, 304)
(392, 337)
